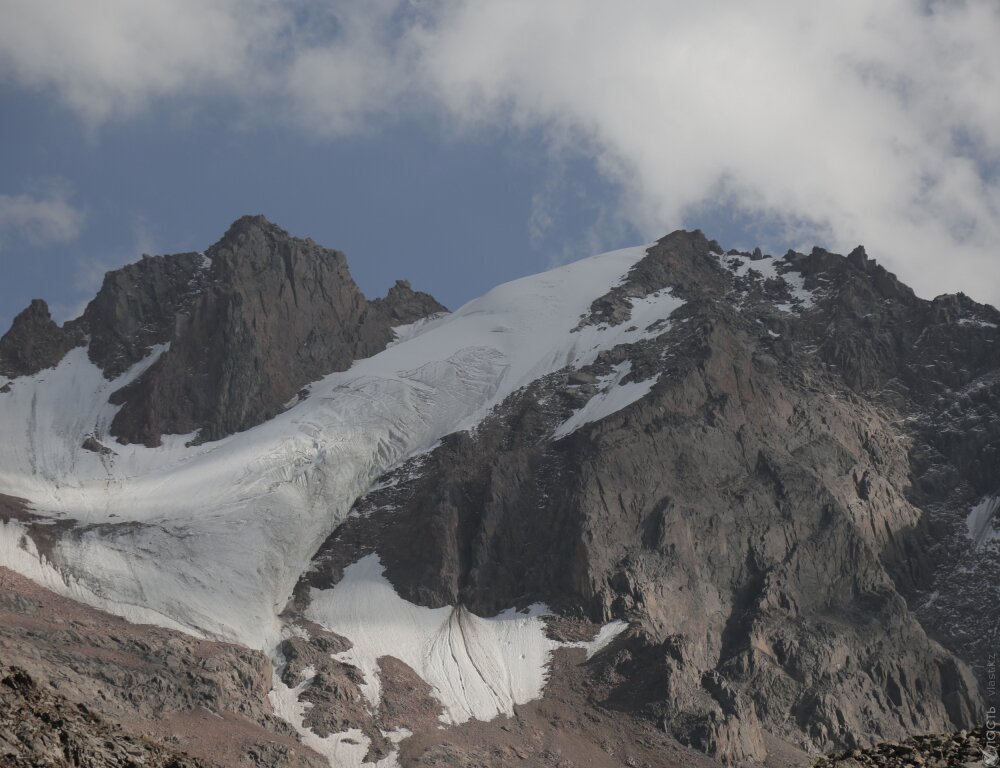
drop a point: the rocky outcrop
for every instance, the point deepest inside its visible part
(35, 342)
(750, 517)
(964, 749)
(276, 313)
(402, 305)
(137, 308)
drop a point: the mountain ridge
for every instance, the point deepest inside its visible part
(763, 466)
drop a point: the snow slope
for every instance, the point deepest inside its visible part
(212, 538)
(611, 397)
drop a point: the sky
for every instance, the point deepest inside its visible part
(460, 144)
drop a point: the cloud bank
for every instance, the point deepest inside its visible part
(845, 123)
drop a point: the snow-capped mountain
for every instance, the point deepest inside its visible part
(718, 506)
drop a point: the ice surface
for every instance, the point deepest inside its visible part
(213, 537)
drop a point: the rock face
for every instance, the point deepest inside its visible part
(137, 308)
(276, 313)
(760, 517)
(34, 342)
(249, 324)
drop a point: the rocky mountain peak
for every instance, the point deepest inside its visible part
(244, 327)
(275, 312)
(34, 342)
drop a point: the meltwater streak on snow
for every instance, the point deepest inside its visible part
(477, 667)
(214, 537)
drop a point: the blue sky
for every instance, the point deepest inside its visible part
(461, 144)
(454, 215)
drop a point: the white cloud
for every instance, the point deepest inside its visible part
(49, 217)
(848, 122)
(855, 121)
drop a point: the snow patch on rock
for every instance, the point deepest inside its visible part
(981, 523)
(612, 396)
(478, 668)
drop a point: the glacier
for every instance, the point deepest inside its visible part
(212, 538)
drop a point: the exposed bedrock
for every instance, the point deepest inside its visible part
(754, 516)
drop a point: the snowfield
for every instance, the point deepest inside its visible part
(211, 539)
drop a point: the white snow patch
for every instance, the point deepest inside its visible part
(611, 397)
(981, 522)
(769, 268)
(976, 323)
(478, 668)
(604, 638)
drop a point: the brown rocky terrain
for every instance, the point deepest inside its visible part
(137, 685)
(39, 728)
(963, 749)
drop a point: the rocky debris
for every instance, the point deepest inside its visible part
(968, 749)
(35, 342)
(570, 726)
(94, 445)
(205, 698)
(42, 729)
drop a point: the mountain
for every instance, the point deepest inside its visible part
(669, 505)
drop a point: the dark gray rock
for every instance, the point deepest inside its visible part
(249, 324)
(137, 308)
(275, 313)
(402, 305)
(35, 342)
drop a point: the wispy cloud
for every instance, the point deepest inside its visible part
(39, 219)
(847, 122)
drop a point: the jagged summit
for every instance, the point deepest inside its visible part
(244, 327)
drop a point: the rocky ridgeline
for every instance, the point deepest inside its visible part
(250, 323)
(965, 749)
(39, 729)
(781, 520)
